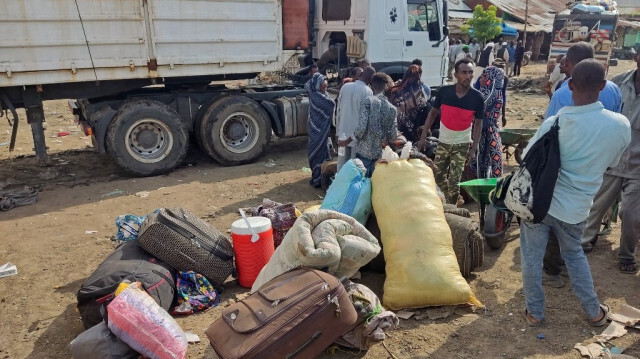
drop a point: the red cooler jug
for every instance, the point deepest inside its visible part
(251, 256)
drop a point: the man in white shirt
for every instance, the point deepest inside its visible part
(348, 112)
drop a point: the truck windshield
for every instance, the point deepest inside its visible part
(423, 16)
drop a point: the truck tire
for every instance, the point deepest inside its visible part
(147, 138)
(235, 130)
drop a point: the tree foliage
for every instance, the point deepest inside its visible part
(485, 23)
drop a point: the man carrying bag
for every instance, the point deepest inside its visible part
(556, 194)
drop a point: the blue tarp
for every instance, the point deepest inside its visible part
(506, 30)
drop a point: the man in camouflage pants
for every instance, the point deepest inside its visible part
(459, 106)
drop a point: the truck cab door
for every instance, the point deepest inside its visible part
(422, 31)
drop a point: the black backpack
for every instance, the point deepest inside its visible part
(531, 188)
(501, 52)
(128, 261)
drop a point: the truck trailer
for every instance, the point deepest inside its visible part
(598, 29)
(146, 76)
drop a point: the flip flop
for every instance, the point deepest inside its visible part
(628, 268)
(604, 309)
(533, 322)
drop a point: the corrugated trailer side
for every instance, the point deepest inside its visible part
(64, 41)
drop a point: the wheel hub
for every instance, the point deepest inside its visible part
(239, 132)
(236, 131)
(146, 138)
(149, 140)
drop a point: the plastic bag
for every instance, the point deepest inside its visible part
(350, 192)
(421, 266)
(133, 309)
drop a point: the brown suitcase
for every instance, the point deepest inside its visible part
(295, 315)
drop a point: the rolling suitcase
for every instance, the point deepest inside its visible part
(295, 315)
(187, 243)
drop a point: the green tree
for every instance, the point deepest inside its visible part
(485, 23)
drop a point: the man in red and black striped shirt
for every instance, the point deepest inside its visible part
(460, 106)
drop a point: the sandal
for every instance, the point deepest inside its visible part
(628, 268)
(533, 322)
(604, 309)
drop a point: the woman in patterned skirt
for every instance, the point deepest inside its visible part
(490, 151)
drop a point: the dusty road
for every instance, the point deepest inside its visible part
(54, 255)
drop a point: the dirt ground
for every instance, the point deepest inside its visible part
(54, 255)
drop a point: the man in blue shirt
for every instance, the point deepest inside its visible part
(583, 128)
(610, 96)
(611, 99)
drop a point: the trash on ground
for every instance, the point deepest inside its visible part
(128, 226)
(614, 330)
(8, 269)
(270, 163)
(192, 337)
(441, 312)
(405, 314)
(4, 143)
(306, 169)
(63, 133)
(373, 320)
(627, 315)
(540, 336)
(90, 232)
(593, 350)
(17, 197)
(48, 174)
(142, 194)
(113, 193)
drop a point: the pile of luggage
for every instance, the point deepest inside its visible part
(301, 300)
(177, 259)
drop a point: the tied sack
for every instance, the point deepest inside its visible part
(350, 192)
(137, 320)
(421, 266)
(531, 188)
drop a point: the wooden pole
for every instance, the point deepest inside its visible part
(526, 19)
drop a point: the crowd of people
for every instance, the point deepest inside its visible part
(598, 136)
(511, 53)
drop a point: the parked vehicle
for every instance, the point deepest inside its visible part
(146, 73)
(596, 28)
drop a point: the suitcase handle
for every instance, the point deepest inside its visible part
(275, 301)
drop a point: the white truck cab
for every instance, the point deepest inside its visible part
(392, 32)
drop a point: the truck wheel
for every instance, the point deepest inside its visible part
(147, 138)
(235, 130)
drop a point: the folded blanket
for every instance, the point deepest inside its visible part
(325, 240)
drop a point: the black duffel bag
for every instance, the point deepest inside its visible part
(128, 262)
